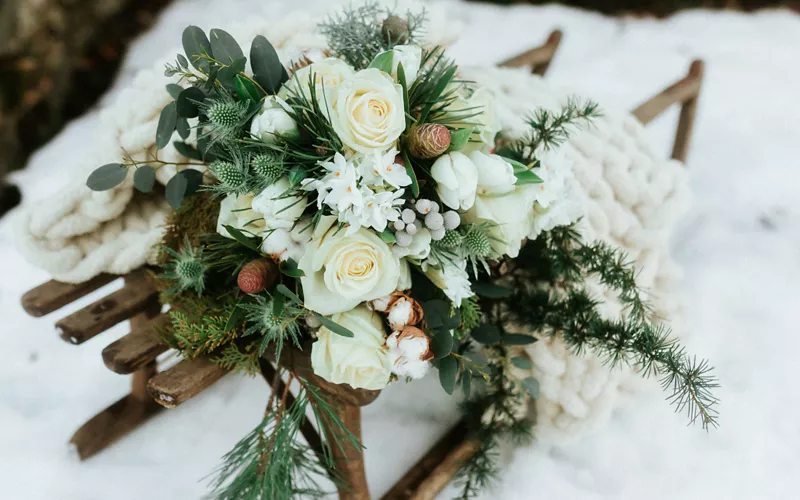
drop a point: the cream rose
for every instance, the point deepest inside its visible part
(342, 270)
(328, 74)
(456, 180)
(511, 214)
(367, 112)
(236, 211)
(360, 360)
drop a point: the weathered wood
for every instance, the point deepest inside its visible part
(136, 296)
(444, 472)
(118, 419)
(138, 348)
(299, 362)
(54, 295)
(539, 58)
(680, 148)
(681, 91)
(411, 485)
(183, 381)
(348, 457)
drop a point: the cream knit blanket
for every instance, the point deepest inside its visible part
(631, 198)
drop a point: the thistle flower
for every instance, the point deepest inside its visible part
(225, 117)
(477, 243)
(186, 268)
(274, 324)
(452, 239)
(228, 173)
(268, 166)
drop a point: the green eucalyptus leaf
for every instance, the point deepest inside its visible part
(527, 177)
(383, 62)
(245, 90)
(486, 334)
(176, 190)
(183, 62)
(518, 339)
(188, 101)
(174, 90)
(166, 125)
(144, 178)
(195, 43)
(283, 290)
(491, 291)
(289, 268)
(183, 128)
(333, 326)
(442, 344)
(459, 138)
(522, 363)
(531, 386)
(194, 179)
(106, 177)
(267, 68)
(436, 312)
(187, 151)
(448, 369)
(224, 47)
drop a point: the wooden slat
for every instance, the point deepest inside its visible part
(348, 458)
(117, 420)
(54, 295)
(681, 91)
(434, 470)
(183, 381)
(138, 348)
(539, 58)
(138, 295)
(680, 147)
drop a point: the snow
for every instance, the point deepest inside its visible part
(739, 246)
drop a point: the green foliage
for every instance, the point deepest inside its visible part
(356, 34)
(202, 325)
(274, 321)
(106, 177)
(186, 268)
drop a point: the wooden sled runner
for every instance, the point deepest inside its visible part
(152, 390)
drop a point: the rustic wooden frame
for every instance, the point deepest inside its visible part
(135, 353)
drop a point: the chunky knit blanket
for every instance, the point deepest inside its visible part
(630, 197)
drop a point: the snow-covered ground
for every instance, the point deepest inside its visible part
(740, 247)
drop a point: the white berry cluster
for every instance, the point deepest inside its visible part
(424, 214)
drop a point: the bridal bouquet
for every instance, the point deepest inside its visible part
(361, 203)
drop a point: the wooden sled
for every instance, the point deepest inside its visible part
(152, 390)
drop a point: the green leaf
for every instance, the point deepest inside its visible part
(518, 339)
(296, 174)
(514, 163)
(491, 291)
(412, 174)
(187, 151)
(106, 177)
(183, 62)
(441, 344)
(277, 305)
(166, 125)
(144, 178)
(333, 326)
(174, 90)
(236, 315)
(224, 47)
(196, 43)
(267, 68)
(437, 92)
(188, 101)
(436, 312)
(383, 62)
(388, 236)
(486, 334)
(245, 90)
(448, 369)
(194, 178)
(283, 290)
(459, 138)
(183, 128)
(289, 268)
(401, 77)
(238, 65)
(176, 190)
(522, 363)
(531, 385)
(466, 384)
(242, 238)
(527, 177)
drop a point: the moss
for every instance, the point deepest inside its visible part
(196, 216)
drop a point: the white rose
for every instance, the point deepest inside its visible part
(278, 210)
(328, 74)
(487, 123)
(456, 180)
(360, 360)
(342, 270)
(495, 175)
(273, 120)
(368, 111)
(236, 211)
(511, 214)
(410, 56)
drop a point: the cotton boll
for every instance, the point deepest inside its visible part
(380, 304)
(403, 311)
(409, 352)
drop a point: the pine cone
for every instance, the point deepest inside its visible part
(257, 275)
(395, 30)
(428, 140)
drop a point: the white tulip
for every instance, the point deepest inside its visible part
(456, 180)
(495, 175)
(410, 55)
